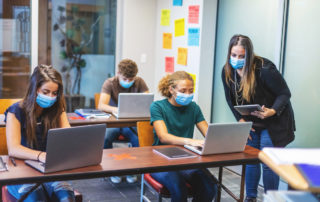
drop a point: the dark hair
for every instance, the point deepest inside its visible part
(50, 116)
(128, 68)
(248, 82)
(171, 80)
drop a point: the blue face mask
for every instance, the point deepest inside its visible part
(126, 84)
(183, 99)
(237, 63)
(45, 101)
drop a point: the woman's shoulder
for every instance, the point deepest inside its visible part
(159, 103)
(16, 109)
(264, 64)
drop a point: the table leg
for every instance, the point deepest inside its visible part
(243, 176)
(24, 196)
(1, 192)
(220, 183)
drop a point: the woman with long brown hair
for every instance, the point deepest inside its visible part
(173, 119)
(250, 79)
(27, 124)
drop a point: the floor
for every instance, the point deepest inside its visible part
(102, 189)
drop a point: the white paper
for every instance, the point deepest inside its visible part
(289, 156)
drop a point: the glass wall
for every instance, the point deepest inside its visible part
(262, 22)
(14, 47)
(302, 69)
(82, 45)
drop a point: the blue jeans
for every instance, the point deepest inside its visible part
(57, 191)
(113, 133)
(201, 181)
(260, 139)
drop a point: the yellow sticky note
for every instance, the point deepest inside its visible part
(167, 41)
(165, 17)
(179, 27)
(194, 80)
(182, 56)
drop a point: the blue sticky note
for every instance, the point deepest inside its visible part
(177, 2)
(193, 36)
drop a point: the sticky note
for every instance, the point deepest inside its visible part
(177, 2)
(193, 36)
(193, 16)
(169, 64)
(167, 41)
(165, 17)
(182, 56)
(179, 27)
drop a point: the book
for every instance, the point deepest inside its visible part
(291, 156)
(311, 173)
(174, 152)
(92, 113)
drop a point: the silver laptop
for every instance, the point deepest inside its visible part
(134, 105)
(224, 138)
(74, 147)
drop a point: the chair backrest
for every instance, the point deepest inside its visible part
(4, 104)
(96, 100)
(145, 133)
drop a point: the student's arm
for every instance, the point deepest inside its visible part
(167, 138)
(104, 103)
(64, 123)
(15, 148)
(202, 127)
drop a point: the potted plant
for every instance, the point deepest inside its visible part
(76, 40)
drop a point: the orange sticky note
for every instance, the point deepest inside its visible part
(182, 56)
(167, 41)
(179, 27)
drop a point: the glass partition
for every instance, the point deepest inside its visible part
(14, 48)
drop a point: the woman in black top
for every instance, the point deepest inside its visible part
(250, 79)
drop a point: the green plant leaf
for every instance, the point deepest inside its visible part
(55, 27)
(76, 49)
(61, 8)
(82, 63)
(63, 54)
(70, 33)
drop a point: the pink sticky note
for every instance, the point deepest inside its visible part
(169, 64)
(193, 16)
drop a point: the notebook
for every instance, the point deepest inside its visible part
(92, 113)
(174, 152)
(74, 147)
(311, 173)
(224, 138)
(134, 105)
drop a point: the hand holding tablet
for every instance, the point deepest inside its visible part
(246, 110)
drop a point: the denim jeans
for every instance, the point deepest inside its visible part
(113, 133)
(201, 181)
(57, 191)
(260, 139)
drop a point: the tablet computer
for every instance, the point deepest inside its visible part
(247, 109)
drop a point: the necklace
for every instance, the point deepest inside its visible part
(237, 91)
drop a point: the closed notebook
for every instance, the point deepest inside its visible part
(311, 173)
(91, 113)
(174, 152)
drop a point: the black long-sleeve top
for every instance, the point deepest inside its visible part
(272, 91)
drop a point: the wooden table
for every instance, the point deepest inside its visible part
(126, 161)
(289, 173)
(112, 122)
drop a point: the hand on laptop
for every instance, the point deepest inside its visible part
(42, 157)
(196, 143)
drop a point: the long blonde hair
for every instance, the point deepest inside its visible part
(50, 116)
(171, 80)
(248, 81)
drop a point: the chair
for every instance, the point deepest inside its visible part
(145, 136)
(121, 138)
(6, 196)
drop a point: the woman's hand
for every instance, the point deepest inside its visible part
(42, 157)
(267, 112)
(195, 143)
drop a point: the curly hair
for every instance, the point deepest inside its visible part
(128, 68)
(171, 80)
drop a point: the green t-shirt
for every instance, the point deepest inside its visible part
(180, 121)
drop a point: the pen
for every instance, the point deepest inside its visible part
(13, 161)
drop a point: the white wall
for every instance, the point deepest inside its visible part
(136, 36)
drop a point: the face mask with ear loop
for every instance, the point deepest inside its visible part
(183, 98)
(237, 63)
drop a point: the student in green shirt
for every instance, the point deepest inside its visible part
(173, 120)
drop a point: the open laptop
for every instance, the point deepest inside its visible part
(134, 105)
(73, 147)
(224, 138)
